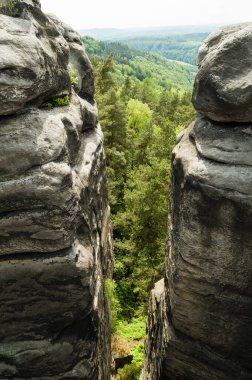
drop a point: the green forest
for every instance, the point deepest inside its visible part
(141, 65)
(141, 114)
(179, 47)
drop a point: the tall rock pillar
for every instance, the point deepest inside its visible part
(55, 242)
(200, 317)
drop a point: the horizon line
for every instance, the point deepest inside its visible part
(148, 27)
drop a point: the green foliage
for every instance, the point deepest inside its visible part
(138, 354)
(132, 371)
(92, 46)
(7, 7)
(140, 119)
(141, 114)
(142, 65)
(129, 372)
(106, 78)
(144, 101)
(73, 75)
(177, 47)
(115, 309)
(60, 101)
(133, 330)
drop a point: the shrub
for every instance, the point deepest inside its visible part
(7, 7)
(138, 354)
(73, 77)
(132, 371)
(60, 101)
(129, 372)
(119, 347)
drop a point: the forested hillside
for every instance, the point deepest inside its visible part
(179, 48)
(141, 65)
(140, 116)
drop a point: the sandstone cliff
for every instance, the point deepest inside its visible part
(200, 317)
(55, 243)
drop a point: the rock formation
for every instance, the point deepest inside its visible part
(200, 317)
(222, 89)
(55, 242)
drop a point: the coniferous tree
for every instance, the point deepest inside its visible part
(140, 121)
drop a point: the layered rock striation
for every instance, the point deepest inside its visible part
(55, 238)
(200, 317)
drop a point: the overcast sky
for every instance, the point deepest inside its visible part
(145, 13)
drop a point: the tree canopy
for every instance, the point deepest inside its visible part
(140, 121)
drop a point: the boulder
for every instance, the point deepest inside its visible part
(222, 88)
(33, 59)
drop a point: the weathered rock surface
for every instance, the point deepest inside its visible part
(157, 333)
(79, 60)
(222, 89)
(199, 324)
(55, 239)
(33, 59)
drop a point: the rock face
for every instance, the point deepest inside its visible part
(78, 59)
(55, 238)
(200, 317)
(222, 89)
(33, 60)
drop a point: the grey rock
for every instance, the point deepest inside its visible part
(200, 324)
(30, 140)
(79, 60)
(19, 8)
(220, 143)
(90, 115)
(222, 88)
(210, 255)
(157, 334)
(33, 61)
(55, 233)
(44, 175)
(32, 342)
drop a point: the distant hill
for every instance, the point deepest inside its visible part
(114, 34)
(176, 47)
(140, 65)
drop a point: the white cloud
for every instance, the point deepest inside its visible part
(143, 13)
